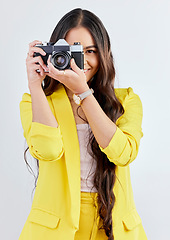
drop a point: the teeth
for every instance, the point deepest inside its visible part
(85, 70)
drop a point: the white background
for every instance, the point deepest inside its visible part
(140, 38)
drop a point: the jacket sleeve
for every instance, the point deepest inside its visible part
(124, 145)
(44, 142)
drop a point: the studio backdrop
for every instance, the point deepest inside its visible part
(140, 37)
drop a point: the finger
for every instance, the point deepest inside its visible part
(54, 76)
(37, 68)
(38, 60)
(42, 73)
(49, 60)
(54, 70)
(33, 50)
(50, 65)
(32, 44)
(74, 67)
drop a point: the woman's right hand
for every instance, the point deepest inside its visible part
(34, 77)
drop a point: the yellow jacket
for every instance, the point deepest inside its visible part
(56, 205)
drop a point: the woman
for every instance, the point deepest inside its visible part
(83, 152)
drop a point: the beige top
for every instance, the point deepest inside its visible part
(87, 163)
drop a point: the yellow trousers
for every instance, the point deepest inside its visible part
(89, 220)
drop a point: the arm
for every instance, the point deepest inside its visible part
(44, 142)
(40, 126)
(103, 128)
(123, 146)
(120, 141)
(40, 108)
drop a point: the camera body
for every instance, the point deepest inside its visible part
(61, 53)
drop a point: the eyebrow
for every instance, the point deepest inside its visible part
(92, 46)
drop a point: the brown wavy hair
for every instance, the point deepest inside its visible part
(103, 85)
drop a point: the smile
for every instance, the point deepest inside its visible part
(86, 70)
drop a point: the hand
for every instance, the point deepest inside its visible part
(35, 63)
(74, 79)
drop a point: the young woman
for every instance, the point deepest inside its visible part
(83, 151)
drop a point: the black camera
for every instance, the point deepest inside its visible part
(61, 53)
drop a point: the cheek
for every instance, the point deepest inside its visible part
(95, 63)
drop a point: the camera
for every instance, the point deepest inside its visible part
(61, 54)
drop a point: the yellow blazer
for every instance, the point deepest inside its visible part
(55, 209)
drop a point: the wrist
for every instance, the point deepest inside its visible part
(87, 100)
(83, 89)
(79, 98)
(34, 86)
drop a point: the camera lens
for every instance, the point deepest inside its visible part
(61, 60)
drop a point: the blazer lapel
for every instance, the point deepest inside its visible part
(65, 118)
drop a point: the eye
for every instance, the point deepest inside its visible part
(90, 51)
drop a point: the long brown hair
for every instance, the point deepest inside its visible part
(103, 85)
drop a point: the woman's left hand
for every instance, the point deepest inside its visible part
(74, 79)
